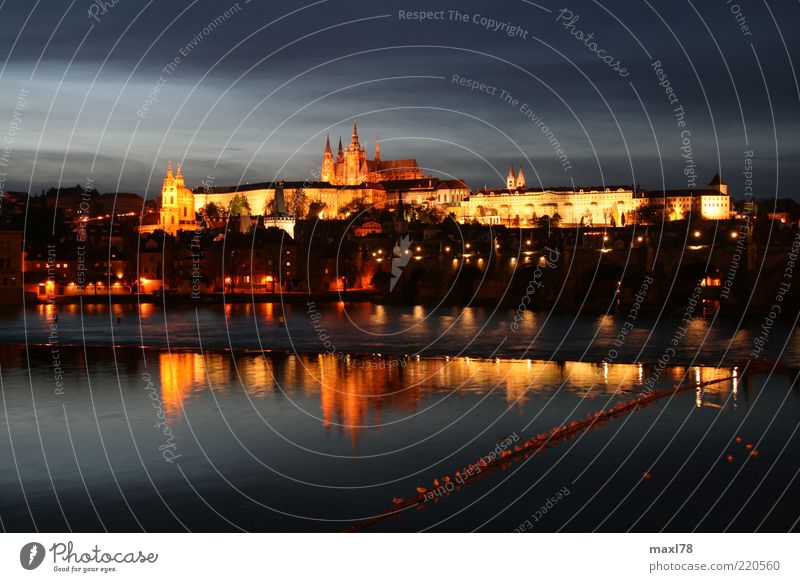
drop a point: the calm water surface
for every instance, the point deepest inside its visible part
(424, 331)
(275, 441)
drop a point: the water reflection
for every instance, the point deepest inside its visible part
(337, 438)
(357, 393)
(392, 329)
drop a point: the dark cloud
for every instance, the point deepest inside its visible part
(255, 91)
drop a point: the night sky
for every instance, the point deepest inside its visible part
(254, 92)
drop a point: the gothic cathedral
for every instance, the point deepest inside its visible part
(351, 166)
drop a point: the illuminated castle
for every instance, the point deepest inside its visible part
(351, 166)
(519, 205)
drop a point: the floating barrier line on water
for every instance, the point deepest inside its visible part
(530, 447)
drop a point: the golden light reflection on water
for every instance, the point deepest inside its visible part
(355, 392)
(180, 373)
(146, 310)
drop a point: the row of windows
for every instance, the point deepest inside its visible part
(57, 265)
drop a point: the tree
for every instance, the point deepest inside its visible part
(648, 214)
(355, 206)
(239, 205)
(212, 211)
(298, 203)
(427, 215)
(315, 209)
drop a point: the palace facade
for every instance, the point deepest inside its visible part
(589, 206)
(711, 202)
(520, 205)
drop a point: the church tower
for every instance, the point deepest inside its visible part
(328, 172)
(354, 159)
(520, 180)
(177, 203)
(169, 206)
(511, 179)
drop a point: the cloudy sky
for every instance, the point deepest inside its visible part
(247, 91)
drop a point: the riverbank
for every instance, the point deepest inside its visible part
(214, 298)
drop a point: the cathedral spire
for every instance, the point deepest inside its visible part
(169, 169)
(378, 149)
(511, 179)
(179, 175)
(327, 144)
(340, 154)
(354, 137)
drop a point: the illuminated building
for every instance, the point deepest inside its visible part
(351, 166)
(177, 205)
(589, 206)
(710, 203)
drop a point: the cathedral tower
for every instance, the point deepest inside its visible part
(354, 158)
(352, 168)
(328, 172)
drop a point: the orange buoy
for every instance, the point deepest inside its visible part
(421, 490)
(646, 475)
(754, 453)
(730, 458)
(397, 500)
(738, 440)
(748, 446)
